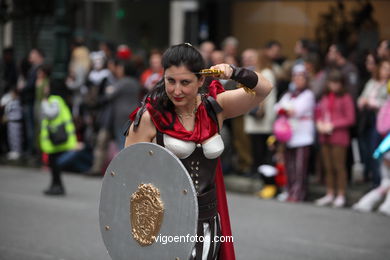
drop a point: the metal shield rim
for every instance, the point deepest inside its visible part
(151, 149)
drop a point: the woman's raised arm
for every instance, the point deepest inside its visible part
(237, 102)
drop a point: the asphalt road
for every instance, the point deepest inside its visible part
(35, 227)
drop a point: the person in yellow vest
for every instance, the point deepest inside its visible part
(57, 135)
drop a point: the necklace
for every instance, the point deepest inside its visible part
(188, 115)
(185, 116)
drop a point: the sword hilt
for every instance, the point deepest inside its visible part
(211, 72)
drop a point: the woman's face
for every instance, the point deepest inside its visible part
(181, 86)
(383, 50)
(111, 66)
(335, 86)
(384, 71)
(40, 74)
(370, 63)
(155, 62)
(309, 66)
(119, 71)
(298, 48)
(299, 81)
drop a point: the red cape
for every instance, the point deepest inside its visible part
(204, 128)
(227, 248)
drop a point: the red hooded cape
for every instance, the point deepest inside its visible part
(204, 128)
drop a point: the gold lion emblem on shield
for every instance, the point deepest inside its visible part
(146, 214)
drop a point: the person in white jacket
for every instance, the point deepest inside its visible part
(298, 104)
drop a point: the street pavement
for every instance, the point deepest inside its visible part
(35, 227)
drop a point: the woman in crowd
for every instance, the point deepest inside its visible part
(153, 74)
(382, 154)
(258, 122)
(370, 101)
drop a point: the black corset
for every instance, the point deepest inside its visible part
(201, 170)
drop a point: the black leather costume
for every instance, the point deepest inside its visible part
(202, 171)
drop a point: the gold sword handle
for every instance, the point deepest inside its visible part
(211, 72)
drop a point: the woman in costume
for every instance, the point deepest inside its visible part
(179, 115)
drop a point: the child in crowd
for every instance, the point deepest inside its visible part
(335, 115)
(13, 115)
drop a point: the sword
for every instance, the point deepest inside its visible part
(204, 72)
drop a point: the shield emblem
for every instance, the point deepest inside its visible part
(146, 211)
(147, 200)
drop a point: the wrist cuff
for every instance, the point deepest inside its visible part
(244, 76)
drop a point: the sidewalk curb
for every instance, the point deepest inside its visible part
(247, 185)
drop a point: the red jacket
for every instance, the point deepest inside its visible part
(340, 110)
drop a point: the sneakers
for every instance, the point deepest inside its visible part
(282, 196)
(384, 209)
(13, 156)
(56, 190)
(339, 202)
(324, 201)
(368, 201)
(268, 192)
(385, 206)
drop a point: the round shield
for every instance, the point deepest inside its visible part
(148, 206)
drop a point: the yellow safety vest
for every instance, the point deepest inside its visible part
(64, 116)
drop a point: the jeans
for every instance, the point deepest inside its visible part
(28, 114)
(76, 161)
(368, 142)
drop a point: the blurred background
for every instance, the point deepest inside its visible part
(100, 57)
(147, 24)
(103, 56)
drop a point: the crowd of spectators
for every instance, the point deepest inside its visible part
(327, 101)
